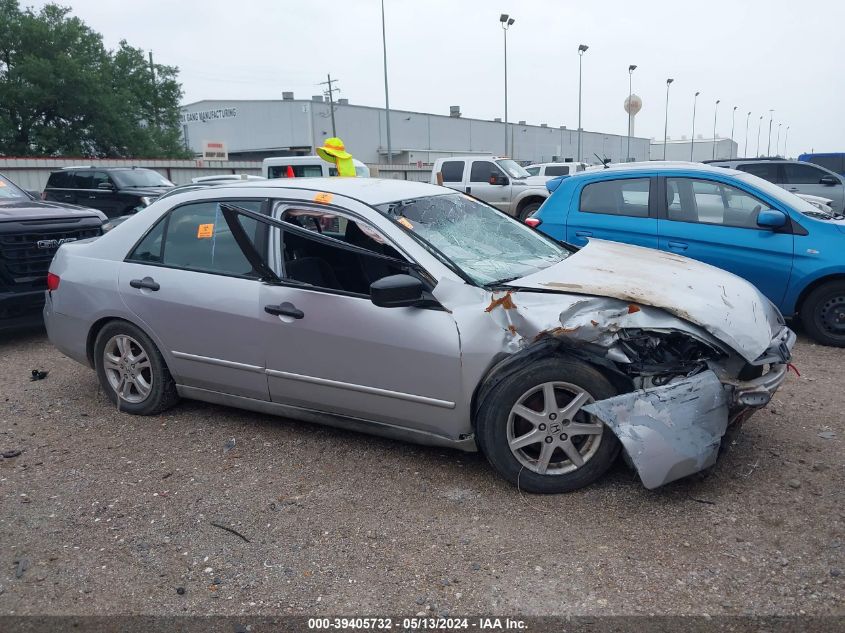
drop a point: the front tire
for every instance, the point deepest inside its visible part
(132, 371)
(533, 432)
(823, 314)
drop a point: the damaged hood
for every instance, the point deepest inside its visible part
(726, 306)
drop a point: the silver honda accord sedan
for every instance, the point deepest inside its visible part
(415, 312)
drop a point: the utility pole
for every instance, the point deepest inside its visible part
(386, 96)
(331, 90)
(769, 148)
(747, 119)
(155, 90)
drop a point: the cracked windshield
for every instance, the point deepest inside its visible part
(486, 245)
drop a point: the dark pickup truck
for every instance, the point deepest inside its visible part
(31, 232)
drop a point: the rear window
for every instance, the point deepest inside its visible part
(61, 180)
(295, 171)
(452, 170)
(629, 197)
(557, 170)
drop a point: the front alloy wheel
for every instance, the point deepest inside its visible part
(547, 431)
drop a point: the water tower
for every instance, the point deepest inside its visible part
(632, 105)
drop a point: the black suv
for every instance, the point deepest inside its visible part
(31, 232)
(115, 191)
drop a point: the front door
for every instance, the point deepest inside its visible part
(808, 179)
(479, 184)
(717, 223)
(328, 347)
(190, 284)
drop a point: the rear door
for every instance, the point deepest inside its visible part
(479, 184)
(190, 284)
(619, 209)
(60, 187)
(100, 193)
(716, 223)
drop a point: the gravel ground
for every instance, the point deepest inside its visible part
(113, 514)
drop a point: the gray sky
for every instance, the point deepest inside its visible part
(756, 54)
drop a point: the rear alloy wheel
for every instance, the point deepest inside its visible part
(823, 314)
(535, 434)
(132, 371)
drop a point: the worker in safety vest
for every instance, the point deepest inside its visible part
(333, 151)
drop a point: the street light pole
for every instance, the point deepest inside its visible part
(582, 48)
(666, 123)
(506, 22)
(715, 114)
(759, 124)
(692, 138)
(631, 70)
(785, 140)
(769, 148)
(386, 94)
(733, 122)
(745, 151)
(777, 143)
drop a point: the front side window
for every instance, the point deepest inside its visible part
(98, 177)
(711, 202)
(802, 174)
(627, 196)
(833, 162)
(512, 168)
(533, 171)
(452, 171)
(486, 245)
(140, 178)
(482, 170)
(196, 237)
(326, 263)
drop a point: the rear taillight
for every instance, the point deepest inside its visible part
(533, 222)
(52, 281)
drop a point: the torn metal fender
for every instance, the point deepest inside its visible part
(669, 432)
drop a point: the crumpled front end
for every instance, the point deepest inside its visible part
(682, 385)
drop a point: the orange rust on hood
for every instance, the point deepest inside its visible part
(595, 323)
(506, 302)
(512, 329)
(633, 307)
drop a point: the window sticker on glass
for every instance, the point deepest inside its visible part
(406, 223)
(323, 198)
(205, 231)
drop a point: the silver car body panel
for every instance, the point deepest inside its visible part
(409, 373)
(670, 431)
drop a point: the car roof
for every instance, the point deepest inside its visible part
(656, 165)
(92, 167)
(372, 191)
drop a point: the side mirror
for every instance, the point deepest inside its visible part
(397, 291)
(829, 181)
(771, 218)
(106, 185)
(499, 179)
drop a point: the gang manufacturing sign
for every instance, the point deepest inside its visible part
(208, 115)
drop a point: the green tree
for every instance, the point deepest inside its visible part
(63, 93)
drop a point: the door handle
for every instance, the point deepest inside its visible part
(678, 246)
(147, 283)
(793, 189)
(289, 311)
(583, 233)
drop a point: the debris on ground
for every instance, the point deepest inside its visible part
(11, 453)
(228, 529)
(38, 374)
(826, 435)
(21, 565)
(229, 445)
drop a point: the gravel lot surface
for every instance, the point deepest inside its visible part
(107, 513)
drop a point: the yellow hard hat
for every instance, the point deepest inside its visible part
(333, 147)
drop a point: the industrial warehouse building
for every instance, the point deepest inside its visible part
(257, 129)
(702, 149)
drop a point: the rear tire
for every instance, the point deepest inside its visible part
(528, 209)
(537, 443)
(823, 314)
(132, 371)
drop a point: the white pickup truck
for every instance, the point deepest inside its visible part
(500, 182)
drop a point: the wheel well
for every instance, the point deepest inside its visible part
(529, 200)
(505, 365)
(94, 332)
(812, 286)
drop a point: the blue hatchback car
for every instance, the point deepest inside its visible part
(793, 252)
